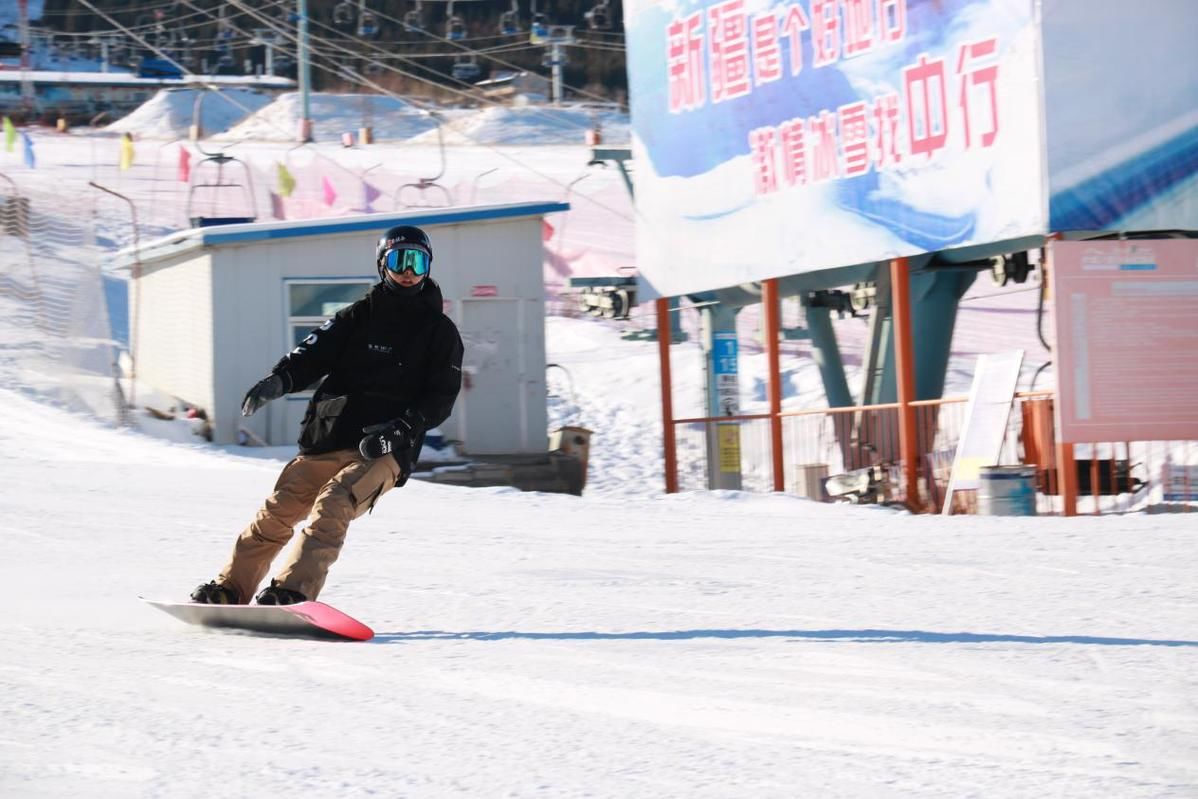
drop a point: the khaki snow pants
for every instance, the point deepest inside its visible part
(335, 488)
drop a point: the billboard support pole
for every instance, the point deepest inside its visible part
(904, 351)
(769, 299)
(667, 402)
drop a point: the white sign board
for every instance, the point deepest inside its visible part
(986, 415)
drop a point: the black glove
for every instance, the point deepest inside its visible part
(389, 438)
(268, 388)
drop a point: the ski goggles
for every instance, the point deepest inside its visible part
(407, 259)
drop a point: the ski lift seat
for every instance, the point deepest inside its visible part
(214, 221)
(467, 70)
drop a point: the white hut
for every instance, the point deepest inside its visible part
(213, 308)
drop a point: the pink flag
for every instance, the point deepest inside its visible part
(276, 206)
(546, 231)
(330, 195)
(184, 165)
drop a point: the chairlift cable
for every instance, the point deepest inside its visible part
(363, 81)
(507, 64)
(468, 93)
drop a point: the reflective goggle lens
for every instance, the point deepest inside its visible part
(403, 260)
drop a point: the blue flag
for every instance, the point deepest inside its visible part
(30, 161)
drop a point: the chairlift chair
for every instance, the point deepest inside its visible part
(412, 19)
(455, 27)
(540, 27)
(368, 25)
(509, 21)
(599, 17)
(343, 14)
(465, 68)
(200, 180)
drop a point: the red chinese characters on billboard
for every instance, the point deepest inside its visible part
(725, 53)
(685, 63)
(730, 72)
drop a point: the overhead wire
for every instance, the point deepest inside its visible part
(171, 28)
(507, 64)
(468, 93)
(361, 80)
(354, 77)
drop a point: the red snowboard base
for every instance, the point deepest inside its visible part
(304, 619)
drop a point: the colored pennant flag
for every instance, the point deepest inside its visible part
(546, 231)
(276, 206)
(286, 181)
(10, 135)
(184, 164)
(30, 159)
(126, 152)
(371, 194)
(330, 194)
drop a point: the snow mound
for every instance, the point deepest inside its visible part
(334, 114)
(169, 113)
(533, 125)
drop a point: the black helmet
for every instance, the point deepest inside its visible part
(401, 234)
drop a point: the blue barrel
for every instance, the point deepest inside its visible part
(1007, 491)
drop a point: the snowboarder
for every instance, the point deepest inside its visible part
(392, 369)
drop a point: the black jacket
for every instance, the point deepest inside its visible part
(381, 358)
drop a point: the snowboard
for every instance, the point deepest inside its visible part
(303, 619)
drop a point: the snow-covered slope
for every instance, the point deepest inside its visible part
(333, 114)
(533, 645)
(169, 114)
(529, 124)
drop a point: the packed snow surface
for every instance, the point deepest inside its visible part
(333, 115)
(696, 645)
(529, 124)
(621, 644)
(170, 113)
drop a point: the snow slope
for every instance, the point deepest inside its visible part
(622, 644)
(716, 645)
(170, 112)
(531, 124)
(333, 114)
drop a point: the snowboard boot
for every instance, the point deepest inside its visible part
(214, 593)
(275, 594)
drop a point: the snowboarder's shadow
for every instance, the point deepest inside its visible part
(846, 636)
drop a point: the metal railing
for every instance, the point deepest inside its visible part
(1114, 477)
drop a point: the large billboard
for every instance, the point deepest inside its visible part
(777, 137)
(1121, 114)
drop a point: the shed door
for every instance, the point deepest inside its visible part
(493, 410)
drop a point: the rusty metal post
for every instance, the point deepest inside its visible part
(667, 397)
(773, 332)
(904, 361)
(1067, 477)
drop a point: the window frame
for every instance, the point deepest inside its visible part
(291, 321)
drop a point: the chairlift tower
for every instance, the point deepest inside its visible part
(303, 73)
(556, 37)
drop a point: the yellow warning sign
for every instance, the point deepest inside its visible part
(728, 438)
